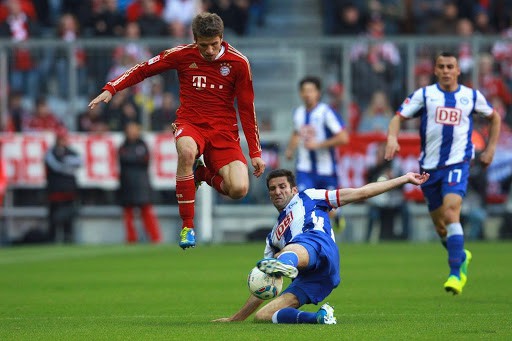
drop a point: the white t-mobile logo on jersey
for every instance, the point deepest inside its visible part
(451, 116)
(199, 81)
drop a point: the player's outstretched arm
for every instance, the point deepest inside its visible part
(104, 97)
(392, 146)
(348, 195)
(249, 307)
(259, 166)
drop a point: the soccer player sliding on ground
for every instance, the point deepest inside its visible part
(301, 246)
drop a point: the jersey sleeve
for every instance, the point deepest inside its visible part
(269, 250)
(333, 121)
(162, 62)
(297, 124)
(329, 199)
(412, 104)
(482, 106)
(245, 100)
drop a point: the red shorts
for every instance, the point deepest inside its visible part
(219, 148)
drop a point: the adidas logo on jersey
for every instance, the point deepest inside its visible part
(193, 66)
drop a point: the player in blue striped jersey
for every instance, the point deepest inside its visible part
(317, 131)
(301, 246)
(446, 111)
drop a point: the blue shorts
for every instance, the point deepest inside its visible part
(316, 283)
(310, 180)
(450, 179)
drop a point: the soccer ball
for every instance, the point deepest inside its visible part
(262, 285)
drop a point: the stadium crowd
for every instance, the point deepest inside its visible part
(38, 80)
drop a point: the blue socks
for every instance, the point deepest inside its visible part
(289, 258)
(455, 247)
(294, 316)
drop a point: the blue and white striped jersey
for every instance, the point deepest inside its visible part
(446, 123)
(308, 210)
(319, 124)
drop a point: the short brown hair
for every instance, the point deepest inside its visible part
(277, 173)
(207, 25)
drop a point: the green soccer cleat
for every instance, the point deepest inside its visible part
(274, 267)
(464, 268)
(188, 239)
(453, 285)
(325, 315)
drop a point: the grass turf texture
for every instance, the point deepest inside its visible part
(143, 292)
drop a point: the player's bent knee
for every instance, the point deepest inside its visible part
(238, 192)
(187, 155)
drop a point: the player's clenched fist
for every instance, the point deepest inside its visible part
(105, 97)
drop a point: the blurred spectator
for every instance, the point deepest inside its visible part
(465, 31)
(128, 53)
(348, 19)
(482, 22)
(424, 68)
(107, 21)
(376, 65)
(150, 20)
(178, 14)
(68, 31)
(92, 121)
(61, 164)
(258, 11)
(336, 94)
(384, 208)
(43, 119)
(134, 185)
(18, 114)
(151, 96)
(490, 83)
(446, 23)
(162, 118)
(392, 12)
(502, 52)
(121, 110)
(424, 11)
(234, 13)
(377, 116)
(23, 69)
(83, 10)
(136, 8)
(500, 12)
(26, 6)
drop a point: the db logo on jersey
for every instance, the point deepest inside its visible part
(450, 116)
(281, 229)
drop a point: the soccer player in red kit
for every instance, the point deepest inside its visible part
(211, 74)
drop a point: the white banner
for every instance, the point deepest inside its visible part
(23, 156)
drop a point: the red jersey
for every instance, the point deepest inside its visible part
(207, 89)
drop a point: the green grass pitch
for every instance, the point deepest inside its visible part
(389, 291)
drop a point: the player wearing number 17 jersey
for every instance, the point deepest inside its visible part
(211, 74)
(446, 113)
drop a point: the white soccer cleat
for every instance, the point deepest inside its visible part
(274, 267)
(325, 315)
